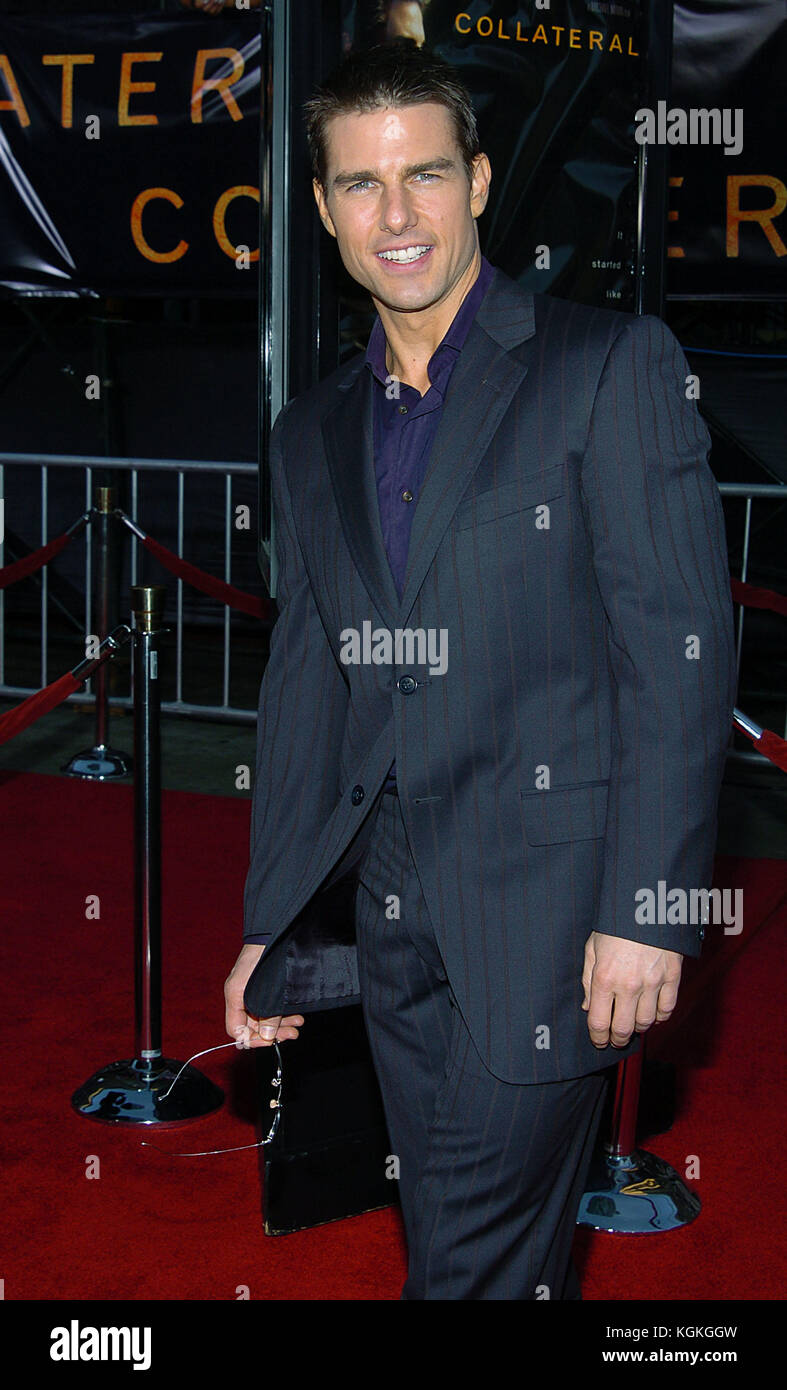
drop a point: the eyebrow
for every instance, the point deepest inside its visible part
(341, 180)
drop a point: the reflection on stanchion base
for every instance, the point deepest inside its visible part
(99, 764)
(134, 1093)
(639, 1194)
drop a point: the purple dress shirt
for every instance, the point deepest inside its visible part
(405, 428)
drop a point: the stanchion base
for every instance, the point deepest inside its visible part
(99, 764)
(639, 1194)
(133, 1093)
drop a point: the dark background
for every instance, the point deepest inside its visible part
(185, 368)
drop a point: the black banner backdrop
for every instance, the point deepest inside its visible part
(555, 88)
(129, 144)
(129, 154)
(728, 211)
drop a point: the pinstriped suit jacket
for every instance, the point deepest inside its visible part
(569, 540)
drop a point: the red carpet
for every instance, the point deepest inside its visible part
(152, 1227)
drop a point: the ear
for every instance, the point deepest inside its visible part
(322, 206)
(479, 184)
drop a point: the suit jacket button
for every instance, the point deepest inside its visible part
(407, 684)
(701, 933)
(356, 796)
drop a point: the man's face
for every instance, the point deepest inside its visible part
(395, 181)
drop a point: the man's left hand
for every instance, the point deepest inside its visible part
(628, 986)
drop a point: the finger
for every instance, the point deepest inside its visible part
(262, 1031)
(646, 1010)
(587, 971)
(285, 1033)
(235, 1019)
(256, 1039)
(599, 1014)
(667, 999)
(242, 1036)
(268, 1028)
(289, 1027)
(623, 1016)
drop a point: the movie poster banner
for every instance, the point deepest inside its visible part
(129, 154)
(555, 87)
(725, 128)
(129, 144)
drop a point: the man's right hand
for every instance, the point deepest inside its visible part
(247, 1030)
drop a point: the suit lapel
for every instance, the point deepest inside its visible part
(348, 434)
(483, 383)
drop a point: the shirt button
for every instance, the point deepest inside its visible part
(407, 497)
(402, 409)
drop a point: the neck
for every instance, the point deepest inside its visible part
(412, 337)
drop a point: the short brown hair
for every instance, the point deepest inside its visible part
(398, 73)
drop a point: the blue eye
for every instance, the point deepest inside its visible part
(365, 183)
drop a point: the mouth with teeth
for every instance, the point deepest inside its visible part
(405, 255)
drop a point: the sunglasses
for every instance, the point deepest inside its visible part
(275, 1106)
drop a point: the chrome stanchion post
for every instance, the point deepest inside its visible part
(149, 614)
(137, 1091)
(629, 1190)
(100, 763)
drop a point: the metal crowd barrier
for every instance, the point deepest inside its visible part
(182, 468)
(751, 492)
(230, 469)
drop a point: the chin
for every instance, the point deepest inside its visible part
(415, 299)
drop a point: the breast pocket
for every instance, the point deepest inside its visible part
(565, 813)
(508, 498)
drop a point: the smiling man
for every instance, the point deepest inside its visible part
(526, 477)
(418, 274)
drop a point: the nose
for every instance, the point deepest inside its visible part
(396, 213)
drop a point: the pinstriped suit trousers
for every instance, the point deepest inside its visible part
(490, 1173)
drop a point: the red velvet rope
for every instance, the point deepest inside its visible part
(752, 597)
(749, 595)
(18, 718)
(771, 746)
(20, 569)
(21, 716)
(207, 584)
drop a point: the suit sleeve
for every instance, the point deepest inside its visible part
(660, 563)
(300, 676)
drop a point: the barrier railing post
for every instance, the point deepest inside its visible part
(101, 763)
(149, 614)
(137, 1091)
(629, 1190)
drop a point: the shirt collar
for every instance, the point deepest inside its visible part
(455, 336)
